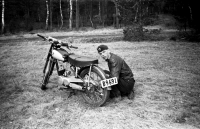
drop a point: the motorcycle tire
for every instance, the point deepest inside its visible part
(100, 95)
(47, 73)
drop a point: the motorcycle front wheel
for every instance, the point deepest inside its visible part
(47, 73)
(94, 94)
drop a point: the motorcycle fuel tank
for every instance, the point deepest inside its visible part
(57, 55)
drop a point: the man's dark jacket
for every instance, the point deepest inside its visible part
(118, 67)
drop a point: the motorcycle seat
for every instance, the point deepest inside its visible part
(81, 61)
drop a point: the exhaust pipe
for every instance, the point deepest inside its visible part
(70, 81)
(75, 86)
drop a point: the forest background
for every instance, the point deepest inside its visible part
(29, 15)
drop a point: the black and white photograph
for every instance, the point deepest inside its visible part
(99, 64)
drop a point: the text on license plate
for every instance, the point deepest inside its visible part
(109, 82)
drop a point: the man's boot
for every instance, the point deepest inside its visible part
(131, 95)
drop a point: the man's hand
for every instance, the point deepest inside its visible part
(107, 73)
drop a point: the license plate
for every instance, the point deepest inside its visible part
(109, 82)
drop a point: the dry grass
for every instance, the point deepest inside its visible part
(167, 89)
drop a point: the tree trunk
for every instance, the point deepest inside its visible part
(3, 23)
(85, 17)
(91, 15)
(50, 9)
(136, 13)
(38, 13)
(77, 14)
(191, 17)
(71, 16)
(100, 18)
(47, 18)
(147, 8)
(117, 14)
(61, 15)
(104, 12)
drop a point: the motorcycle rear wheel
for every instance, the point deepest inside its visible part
(96, 95)
(47, 74)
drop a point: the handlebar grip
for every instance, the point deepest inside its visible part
(73, 47)
(41, 36)
(67, 45)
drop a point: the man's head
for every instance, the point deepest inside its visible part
(103, 51)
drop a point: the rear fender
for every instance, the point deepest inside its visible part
(100, 70)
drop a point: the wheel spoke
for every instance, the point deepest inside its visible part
(94, 97)
(99, 94)
(89, 96)
(95, 94)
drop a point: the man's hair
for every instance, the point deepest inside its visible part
(102, 48)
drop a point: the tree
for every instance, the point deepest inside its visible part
(61, 15)
(116, 16)
(50, 12)
(104, 12)
(47, 17)
(2, 15)
(100, 11)
(77, 14)
(91, 14)
(71, 14)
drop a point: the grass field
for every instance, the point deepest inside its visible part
(167, 92)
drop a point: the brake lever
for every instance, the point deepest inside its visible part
(73, 47)
(66, 46)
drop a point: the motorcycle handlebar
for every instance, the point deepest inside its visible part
(66, 44)
(73, 47)
(49, 38)
(57, 41)
(41, 36)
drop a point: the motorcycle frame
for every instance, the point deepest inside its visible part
(74, 69)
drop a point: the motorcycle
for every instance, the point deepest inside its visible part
(83, 73)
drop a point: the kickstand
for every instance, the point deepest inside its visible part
(72, 92)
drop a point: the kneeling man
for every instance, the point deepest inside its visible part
(118, 68)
